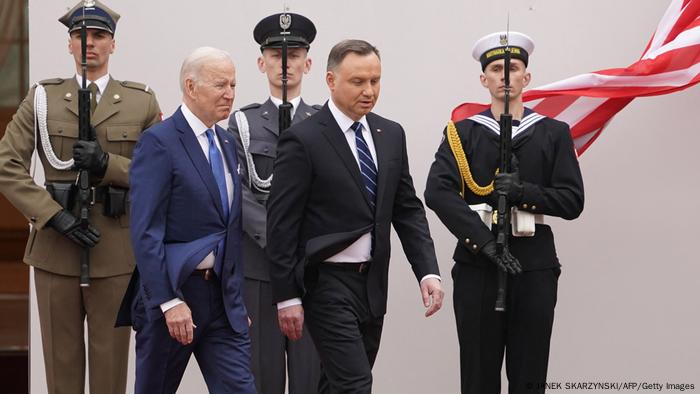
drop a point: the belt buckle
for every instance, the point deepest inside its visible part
(208, 274)
(363, 268)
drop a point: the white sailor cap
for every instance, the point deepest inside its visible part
(492, 47)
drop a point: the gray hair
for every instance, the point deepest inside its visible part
(345, 47)
(193, 63)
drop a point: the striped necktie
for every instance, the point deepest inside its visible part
(367, 166)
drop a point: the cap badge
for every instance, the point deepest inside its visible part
(504, 39)
(285, 21)
(89, 3)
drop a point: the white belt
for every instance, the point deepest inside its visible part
(522, 223)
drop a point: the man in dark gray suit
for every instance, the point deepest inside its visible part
(256, 128)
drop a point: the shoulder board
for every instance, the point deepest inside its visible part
(52, 81)
(135, 85)
(317, 107)
(250, 106)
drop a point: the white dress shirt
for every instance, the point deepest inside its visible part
(295, 103)
(200, 130)
(360, 250)
(101, 83)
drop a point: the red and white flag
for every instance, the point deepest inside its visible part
(587, 102)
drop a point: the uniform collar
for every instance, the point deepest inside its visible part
(101, 82)
(295, 103)
(529, 119)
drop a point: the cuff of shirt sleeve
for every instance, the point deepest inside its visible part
(431, 276)
(288, 303)
(171, 304)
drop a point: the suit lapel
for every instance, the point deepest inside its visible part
(194, 151)
(336, 138)
(270, 117)
(227, 146)
(381, 146)
(109, 103)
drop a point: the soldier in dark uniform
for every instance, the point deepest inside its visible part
(256, 129)
(546, 182)
(46, 126)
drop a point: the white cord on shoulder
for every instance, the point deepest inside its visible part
(262, 185)
(40, 111)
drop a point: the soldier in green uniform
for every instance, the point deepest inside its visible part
(256, 128)
(39, 154)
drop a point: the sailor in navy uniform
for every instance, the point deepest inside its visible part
(546, 181)
(256, 129)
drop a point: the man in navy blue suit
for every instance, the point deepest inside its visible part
(186, 232)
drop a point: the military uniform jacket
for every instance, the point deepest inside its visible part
(550, 173)
(264, 132)
(123, 112)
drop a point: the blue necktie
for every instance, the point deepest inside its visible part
(367, 167)
(217, 168)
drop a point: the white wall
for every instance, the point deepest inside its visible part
(628, 309)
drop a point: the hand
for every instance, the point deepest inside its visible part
(65, 223)
(88, 155)
(180, 325)
(506, 263)
(509, 183)
(291, 321)
(431, 290)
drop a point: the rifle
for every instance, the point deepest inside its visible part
(285, 109)
(503, 215)
(85, 133)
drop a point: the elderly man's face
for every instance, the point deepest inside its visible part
(354, 84)
(214, 92)
(99, 45)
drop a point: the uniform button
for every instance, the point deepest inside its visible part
(68, 95)
(116, 97)
(60, 131)
(524, 206)
(266, 149)
(467, 240)
(474, 246)
(256, 236)
(533, 207)
(124, 134)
